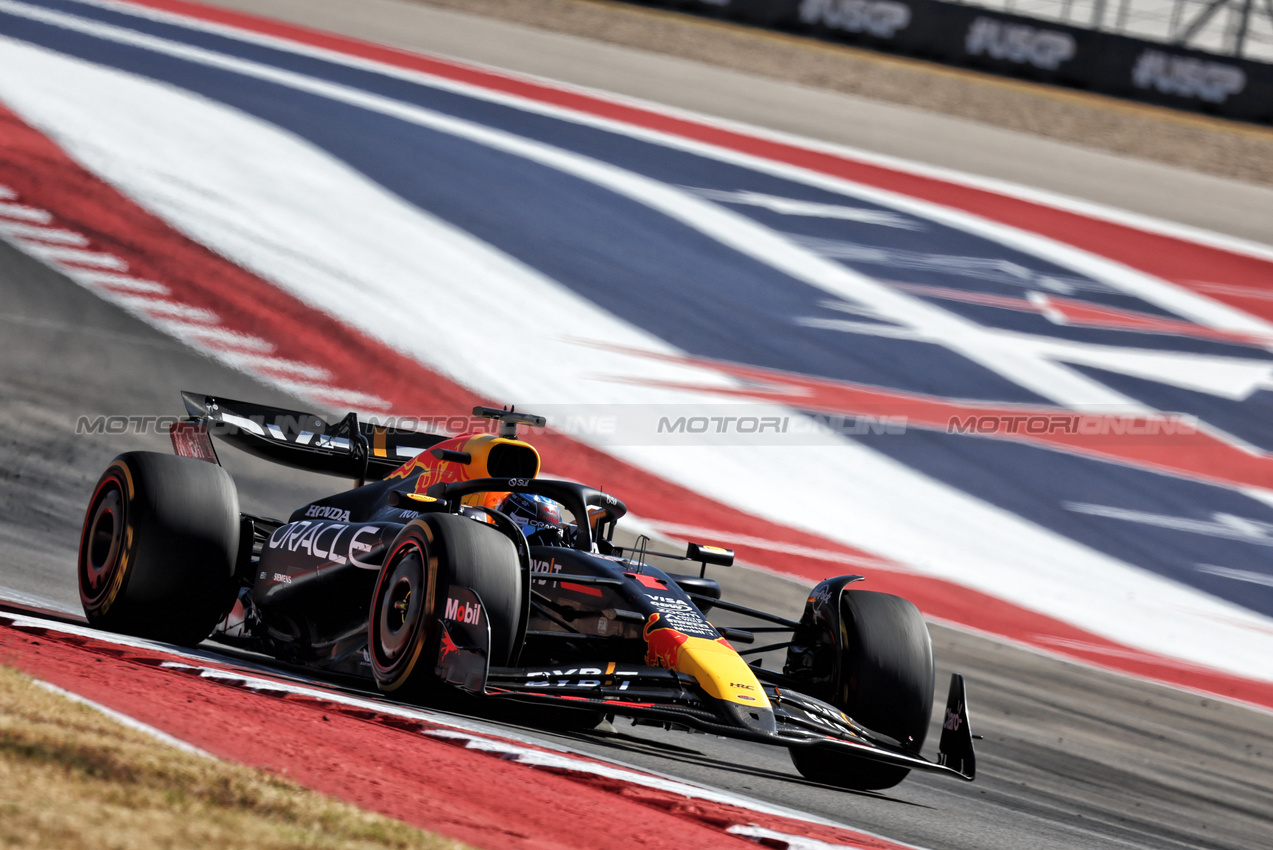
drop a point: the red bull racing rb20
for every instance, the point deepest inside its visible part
(452, 566)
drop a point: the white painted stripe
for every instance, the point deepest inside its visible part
(125, 720)
(22, 212)
(1007, 188)
(309, 373)
(250, 355)
(61, 256)
(333, 395)
(773, 838)
(220, 340)
(1148, 224)
(1252, 292)
(296, 239)
(51, 235)
(1096, 649)
(7, 194)
(35, 622)
(1248, 576)
(117, 282)
(161, 308)
(557, 761)
(560, 761)
(1234, 378)
(497, 739)
(9, 594)
(811, 209)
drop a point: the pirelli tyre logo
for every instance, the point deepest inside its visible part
(880, 18)
(1019, 43)
(1187, 76)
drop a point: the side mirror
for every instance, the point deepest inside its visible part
(710, 555)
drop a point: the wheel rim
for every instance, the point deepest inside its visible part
(398, 611)
(103, 543)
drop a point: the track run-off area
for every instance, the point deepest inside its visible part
(1040, 420)
(320, 736)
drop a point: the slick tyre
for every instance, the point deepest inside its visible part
(427, 557)
(885, 683)
(158, 548)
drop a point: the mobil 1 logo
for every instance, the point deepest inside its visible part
(462, 607)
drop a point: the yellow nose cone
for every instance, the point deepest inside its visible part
(721, 672)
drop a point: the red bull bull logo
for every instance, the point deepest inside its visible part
(488, 457)
(714, 664)
(446, 647)
(663, 644)
(431, 470)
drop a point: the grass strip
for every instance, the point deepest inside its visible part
(70, 777)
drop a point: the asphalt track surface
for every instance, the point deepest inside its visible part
(1071, 758)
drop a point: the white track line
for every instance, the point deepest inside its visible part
(125, 720)
(50, 235)
(119, 282)
(22, 212)
(474, 734)
(54, 254)
(165, 309)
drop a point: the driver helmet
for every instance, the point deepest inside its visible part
(538, 517)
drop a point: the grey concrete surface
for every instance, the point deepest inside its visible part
(66, 354)
(1150, 188)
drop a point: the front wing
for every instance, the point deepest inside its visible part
(665, 696)
(670, 697)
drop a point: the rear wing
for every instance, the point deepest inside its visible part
(348, 448)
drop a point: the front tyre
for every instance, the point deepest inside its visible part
(158, 548)
(402, 626)
(885, 683)
(429, 556)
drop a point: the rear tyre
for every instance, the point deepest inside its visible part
(158, 548)
(429, 555)
(885, 683)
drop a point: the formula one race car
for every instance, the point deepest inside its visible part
(452, 565)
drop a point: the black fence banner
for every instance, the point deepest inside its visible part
(1017, 46)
